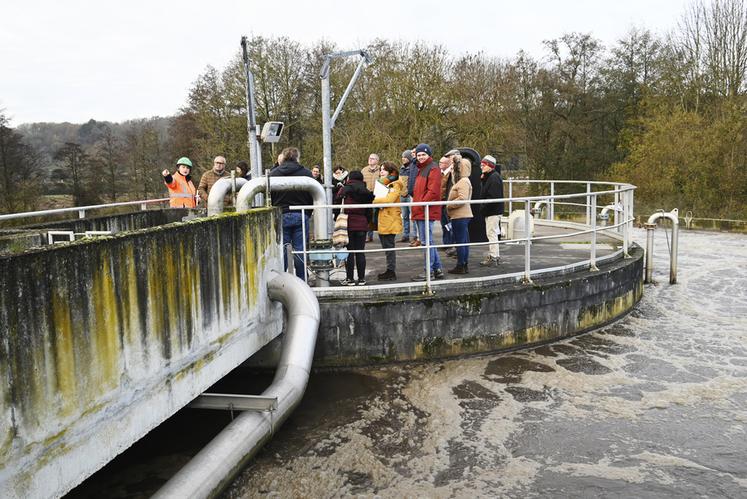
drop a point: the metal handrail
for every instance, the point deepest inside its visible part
(81, 209)
(623, 194)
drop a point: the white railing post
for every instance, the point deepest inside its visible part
(551, 207)
(303, 255)
(527, 244)
(588, 203)
(626, 217)
(81, 213)
(614, 212)
(427, 251)
(510, 195)
(593, 257)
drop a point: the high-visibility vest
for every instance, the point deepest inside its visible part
(182, 192)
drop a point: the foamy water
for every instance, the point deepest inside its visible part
(654, 405)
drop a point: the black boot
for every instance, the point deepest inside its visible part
(389, 275)
(459, 269)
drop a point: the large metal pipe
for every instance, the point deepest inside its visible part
(214, 466)
(218, 193)
(650, 225)
(308, 184)
(604, 216)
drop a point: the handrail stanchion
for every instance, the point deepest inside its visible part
(593, 257)
(625, 227)
(510, 195)
(303, 235)
(551, 207)
(427, 225)
(527, 243)
(81, 210)
(614, 212)
(588, 203)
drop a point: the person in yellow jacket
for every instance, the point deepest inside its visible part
(390, 219)
(181, 189)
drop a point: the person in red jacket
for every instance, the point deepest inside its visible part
(427, 188)
(181, 189)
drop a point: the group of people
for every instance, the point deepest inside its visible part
(182, 191)
(418, 178)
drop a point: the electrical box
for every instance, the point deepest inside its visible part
(271, 131)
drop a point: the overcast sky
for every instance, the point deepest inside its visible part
(74, 60)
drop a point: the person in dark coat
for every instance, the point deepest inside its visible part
(492, 188)
(293, 225)
(355, 192)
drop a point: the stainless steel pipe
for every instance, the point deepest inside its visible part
(215, 466)
(218, 193)
(650, 226)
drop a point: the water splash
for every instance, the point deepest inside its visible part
(653, 405)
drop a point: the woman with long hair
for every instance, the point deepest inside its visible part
(460, 214)
(354, 192)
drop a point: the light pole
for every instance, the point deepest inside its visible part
(328, 122)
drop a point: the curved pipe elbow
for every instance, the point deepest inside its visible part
(247, 193)
(213, 467)
(307, 184)
(218, 193)
(672, 215)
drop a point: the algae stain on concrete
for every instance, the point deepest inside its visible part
(602, 313)
(64, 350)
(105, 326)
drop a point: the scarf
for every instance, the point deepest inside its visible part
(341, 176)
(387, 180)
(426, 161)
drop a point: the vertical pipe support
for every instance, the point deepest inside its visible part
(673, 255)
(673, 216)
(327, 139)
(649, 252)
(588, 203)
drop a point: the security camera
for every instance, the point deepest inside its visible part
(271, 131)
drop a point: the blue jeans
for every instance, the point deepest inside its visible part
(293, 234)
(447, 235)
(435, 260)
(406, 222)
(460, 227)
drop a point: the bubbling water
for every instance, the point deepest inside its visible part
(655, 404)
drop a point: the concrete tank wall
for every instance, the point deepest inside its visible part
(467, 319)
(103, 339)
(14, 241)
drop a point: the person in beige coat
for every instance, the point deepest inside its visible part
(370, 176)
(460, 214)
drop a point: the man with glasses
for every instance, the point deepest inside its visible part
(427, 188)
(210, 177)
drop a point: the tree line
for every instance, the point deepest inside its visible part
(663, 111)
